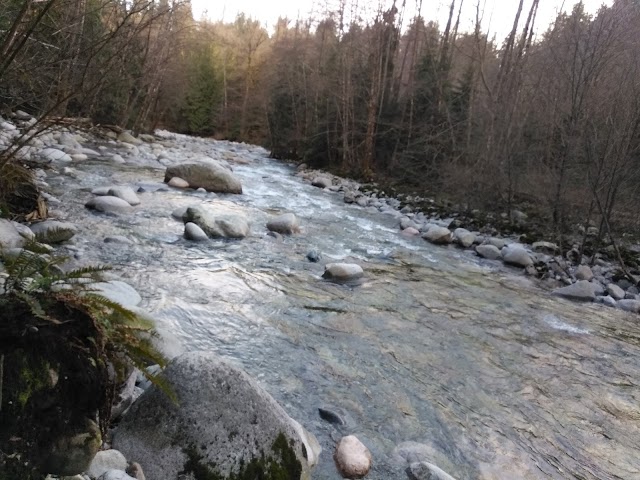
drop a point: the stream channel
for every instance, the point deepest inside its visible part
(483, 373)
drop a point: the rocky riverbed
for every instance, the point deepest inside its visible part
(440, 351)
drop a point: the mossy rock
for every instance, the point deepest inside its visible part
(54, 388)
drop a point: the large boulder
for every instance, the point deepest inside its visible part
(581, 290)
(516, 255)
(211, 176)
(287, 223)
(222, 425)
(215, 225)
(9, 236)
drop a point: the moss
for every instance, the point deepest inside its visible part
(282, 465)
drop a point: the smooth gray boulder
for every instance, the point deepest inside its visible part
(126, 137)
(9, 235)
(427, 471)
(125, 193)
(54, 155)
(194, 232)
(322, 181)
(581, 290)
(464, 237)
(109, 204)
(615, 291)
(629, 305)
(499, 243)
(106, 460)
(223, 422)
(217, 226)
(52, 231)
(286, 224)
(342, 272)
(438, 235)
(583, 272)
(490, 252)
(211, 176)
(516, 255)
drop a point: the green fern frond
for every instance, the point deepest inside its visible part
(37, 247)
(35, 307)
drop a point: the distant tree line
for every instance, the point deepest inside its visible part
(547, 120)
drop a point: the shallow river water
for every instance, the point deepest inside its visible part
(493, 376)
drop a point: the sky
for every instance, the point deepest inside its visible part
(498, 18)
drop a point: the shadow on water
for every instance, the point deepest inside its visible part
(492, 376)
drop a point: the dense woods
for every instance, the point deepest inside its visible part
(546, 118)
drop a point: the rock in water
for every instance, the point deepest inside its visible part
(118, 292)
(194, 232)
(352, 458)
(464, 237)
(516, 255)
(223, 422)
(125, 193)
(629, 305)
(342, 272)
(581, 290)
(322, 182)
(217, 226)
(427, 471)
(286, 223)
(178, 182)
(490, 252)
(211, 176)
(109, 204)
(438, 235)
(313, 256)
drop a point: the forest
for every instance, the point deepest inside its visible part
(546, 119)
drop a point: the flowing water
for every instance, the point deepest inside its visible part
(493, 376)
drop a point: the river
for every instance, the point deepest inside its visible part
(494, 377)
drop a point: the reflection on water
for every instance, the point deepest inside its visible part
(498, 379)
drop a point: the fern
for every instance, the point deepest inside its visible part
(124, 337)
(52, 235)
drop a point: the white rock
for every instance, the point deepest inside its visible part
(581, 290)
(24, 231)
(79, 157)
(109, 204)
(515, 254)
(126, 193)
(352, 457)
(490, 252)
(194, 232)
(322, 182)
(287, 223)
(438, 235)
(106, 460)
(499, 243)
(464, 237)
(9, 236)
(615, 291)
(7, 126)
(115, 158)
(54, 155)
(342, 272)
(178, 182)
(583, 272)
(629, 305)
